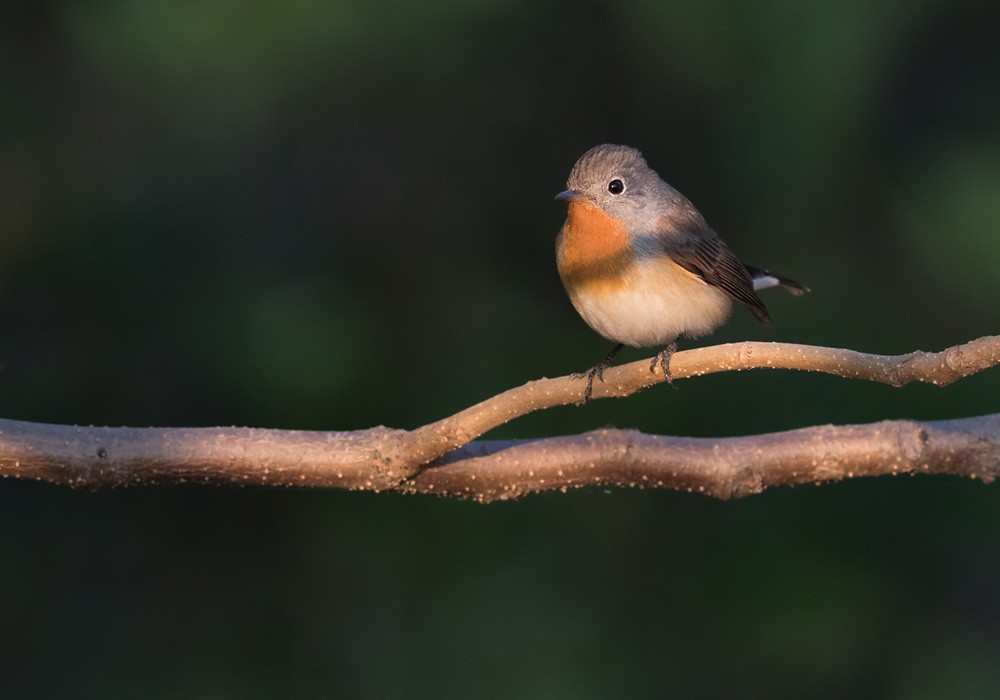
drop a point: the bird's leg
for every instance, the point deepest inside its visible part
(663, 358)
(597, 370)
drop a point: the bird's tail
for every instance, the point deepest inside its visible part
(762, 279)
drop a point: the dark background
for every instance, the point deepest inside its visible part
(302, 214)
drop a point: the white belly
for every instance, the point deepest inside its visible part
(659, 302)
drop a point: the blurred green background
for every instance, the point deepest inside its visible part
(302, 214)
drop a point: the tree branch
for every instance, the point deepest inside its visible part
(938, 368)
(426, 460)
(725, 468)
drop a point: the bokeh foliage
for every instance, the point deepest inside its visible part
(335, 215)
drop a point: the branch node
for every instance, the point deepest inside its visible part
(745, 482)
(912, 441)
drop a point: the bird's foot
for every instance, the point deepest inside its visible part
(596, 371)
(663, 359)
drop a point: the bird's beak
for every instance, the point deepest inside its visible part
(570, 195)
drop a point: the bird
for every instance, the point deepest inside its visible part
(640, 264)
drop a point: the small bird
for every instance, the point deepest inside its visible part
(639, 263)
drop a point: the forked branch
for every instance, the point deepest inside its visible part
(428, 459)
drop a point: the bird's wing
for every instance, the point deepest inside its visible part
(699, 249)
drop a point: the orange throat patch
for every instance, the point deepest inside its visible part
(592, 251)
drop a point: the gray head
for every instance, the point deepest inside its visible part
(618, 180)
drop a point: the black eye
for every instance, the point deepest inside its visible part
(616, 186)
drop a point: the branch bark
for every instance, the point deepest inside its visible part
(440, 457)
(724, 468)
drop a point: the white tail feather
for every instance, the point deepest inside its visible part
(765, 282)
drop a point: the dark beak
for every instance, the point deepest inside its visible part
(570, 195)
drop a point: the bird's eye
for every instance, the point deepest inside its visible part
(616, 186)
